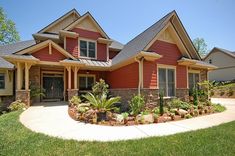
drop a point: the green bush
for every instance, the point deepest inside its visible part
(230, 92)
(102, 103)
(188, 116)
(156, 110)
(100, 88)
(75, 100)
(17, 105)
(195, 97)
(218, 108)
(136, 104)
(125, 115)
(177, 103)
(36, 91)
(161, 103)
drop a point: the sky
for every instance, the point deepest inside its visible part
(122, 20)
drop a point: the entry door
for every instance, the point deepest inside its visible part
(54, 86)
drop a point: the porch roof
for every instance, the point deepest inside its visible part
(196, 63)
(13, 57)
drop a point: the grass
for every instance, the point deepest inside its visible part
(15, 139)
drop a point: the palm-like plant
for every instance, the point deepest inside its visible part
(102, 103)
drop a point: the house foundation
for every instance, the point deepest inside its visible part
(24, 96)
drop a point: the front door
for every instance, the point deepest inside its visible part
(53, 86)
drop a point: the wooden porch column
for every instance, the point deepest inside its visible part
(27, 67)
(75, 77)
(69, 77)
(19, 76)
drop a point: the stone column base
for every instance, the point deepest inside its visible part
(72, 92)
(24, 96)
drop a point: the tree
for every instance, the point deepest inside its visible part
(8, 32)
(200, 46)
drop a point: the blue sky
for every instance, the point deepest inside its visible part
(124, 19)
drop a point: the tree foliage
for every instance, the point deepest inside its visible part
(8, 32)
(200, 45)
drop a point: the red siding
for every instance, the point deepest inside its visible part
(72, 46)
(150, 75)
(44, 55)
(101, 52)
(87, 34)
(125, 77)
(171, 54)
(112, 54)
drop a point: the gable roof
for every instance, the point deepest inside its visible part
(57, 21)
(140, 42)
(41, 45)
(227, 52)
(87, 14)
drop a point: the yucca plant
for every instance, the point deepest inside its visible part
(102, 104)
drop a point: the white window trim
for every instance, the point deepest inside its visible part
(4, 75)
(87, 40)
(166, 67)
(86, 75)
(193, 72)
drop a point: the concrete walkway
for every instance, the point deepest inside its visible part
(52, 119)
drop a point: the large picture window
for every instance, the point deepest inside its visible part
(193, 79)
(86, 82)
(167, 81)
(2, 81)
(87, 49)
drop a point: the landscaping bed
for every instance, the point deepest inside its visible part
(99, 108)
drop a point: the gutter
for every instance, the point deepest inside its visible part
(140, 84)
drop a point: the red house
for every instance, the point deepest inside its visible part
(70, 54)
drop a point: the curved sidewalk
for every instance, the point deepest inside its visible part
(53, 120)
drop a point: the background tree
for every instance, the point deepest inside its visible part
(8, 32)
(201, 46)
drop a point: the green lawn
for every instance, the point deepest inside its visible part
(15, 139)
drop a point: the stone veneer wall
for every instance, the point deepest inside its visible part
(24, 96)
(151, 95)
(34, 79)
(72, 92)
(203, 75)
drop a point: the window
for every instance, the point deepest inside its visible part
(193, 79)
(167, 81)
(210, 61)
(86, 82)
(2, 81)
(87, 49)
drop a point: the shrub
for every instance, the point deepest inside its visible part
(156, 110)
(188, 116)
(17, 105)
(218, 108)
(161, 103)
(195, 97)
(100, 88)
(75, 100)
(221, 93)
(177, 103)
(35, 91)
(230, 92)
(136, 104)
(125, 115)
(102, 103)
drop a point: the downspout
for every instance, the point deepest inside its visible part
(140, 84)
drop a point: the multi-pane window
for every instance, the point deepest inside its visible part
(167, 81)
(87, 49)
(193, 79)
(2, 81)
(86, 82)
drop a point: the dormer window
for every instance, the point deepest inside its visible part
(88, 49)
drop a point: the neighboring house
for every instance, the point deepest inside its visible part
(225, 61)
(70, 54)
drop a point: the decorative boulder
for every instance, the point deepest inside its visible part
(148, 118)
(119, 118)
(182, 112)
